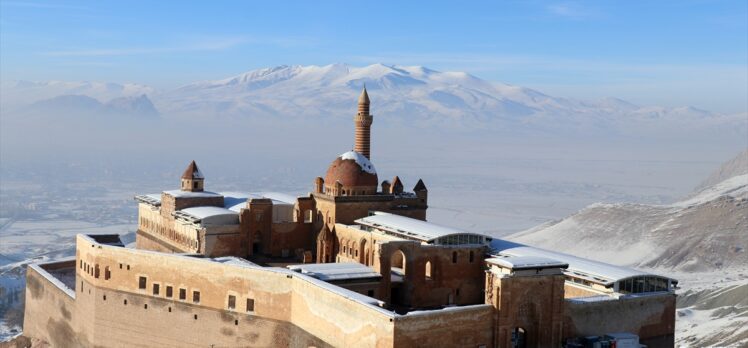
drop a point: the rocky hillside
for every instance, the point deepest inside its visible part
(704, 233)
(736, 166)
(701, 241)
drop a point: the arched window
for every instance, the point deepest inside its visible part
(454, 257)
(472, 257)
(397, 260)
(429, 270)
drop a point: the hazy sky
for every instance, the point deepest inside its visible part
(649, 52)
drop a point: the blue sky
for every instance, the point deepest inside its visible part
(649, 52)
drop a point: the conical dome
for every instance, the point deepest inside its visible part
(364, 97)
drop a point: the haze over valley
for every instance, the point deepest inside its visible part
(496, 158)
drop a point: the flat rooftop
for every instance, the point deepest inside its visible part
(526, 262)
(419, 230)
(595, 271)
(233, 202)
(336, 271)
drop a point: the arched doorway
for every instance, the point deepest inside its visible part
(398, 273)
(519, 338)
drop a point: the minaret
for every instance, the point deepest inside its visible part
(363, 122)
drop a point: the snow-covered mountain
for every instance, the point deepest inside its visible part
(410, 95)
(701, 240)
(706, 232)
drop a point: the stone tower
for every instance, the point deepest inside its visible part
(192, 179)
(363, 122)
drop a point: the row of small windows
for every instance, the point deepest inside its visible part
(460, 239)
(169, 293)
(632, 285)
(145, 306)
(94, 270)
(342, 192)
(643, 284)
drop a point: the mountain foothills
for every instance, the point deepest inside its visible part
(410, 95)
(701, 240)
(706, 232)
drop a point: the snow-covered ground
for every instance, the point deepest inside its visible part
(700, 240)
(712, 309)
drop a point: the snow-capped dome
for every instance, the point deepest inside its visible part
(352, 170)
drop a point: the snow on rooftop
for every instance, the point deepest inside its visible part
(233, 260)
(361, 160)
(409, 227)
(235, 201)
(279, 197)
(154, 196)
(335, 271)
(590, 299)
(212, 215)
(525, 262)
(151, 198)
(39, 268)
(188, 194)
(600, 271)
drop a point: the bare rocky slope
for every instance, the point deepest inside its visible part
(700, 240)
(705, 232)
(736, 166)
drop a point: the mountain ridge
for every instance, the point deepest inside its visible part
(410, 95)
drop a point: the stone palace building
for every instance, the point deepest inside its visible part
(354, 263)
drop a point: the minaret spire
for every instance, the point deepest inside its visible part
(363, 121)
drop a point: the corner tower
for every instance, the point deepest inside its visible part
(363, 121)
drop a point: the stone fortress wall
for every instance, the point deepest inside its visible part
(289, 309)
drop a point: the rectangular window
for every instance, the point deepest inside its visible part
(141, 282)
(156, 289)
(196, 296)
(250, 305)
(232, 302)
(182, 294)
(168, 291)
